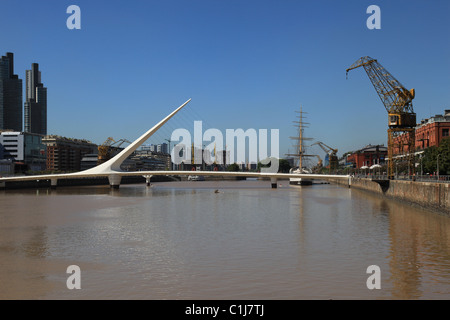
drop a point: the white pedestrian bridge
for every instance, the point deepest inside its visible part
(111, 168)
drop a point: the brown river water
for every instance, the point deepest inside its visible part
(183, 240)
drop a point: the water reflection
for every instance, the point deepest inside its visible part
(419, 249)
(419, 246)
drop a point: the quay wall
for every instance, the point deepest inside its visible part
(430, 195)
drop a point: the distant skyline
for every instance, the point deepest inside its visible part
(245, 64)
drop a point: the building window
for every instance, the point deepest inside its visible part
(445, 132)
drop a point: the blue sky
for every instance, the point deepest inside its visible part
(245, 64)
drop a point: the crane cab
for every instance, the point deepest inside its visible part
(402, 120)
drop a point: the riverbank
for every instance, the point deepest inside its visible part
(430, 195)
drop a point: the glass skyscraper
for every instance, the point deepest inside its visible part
(10, 95)
(35, 106)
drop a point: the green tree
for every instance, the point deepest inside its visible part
(283, 165)
(233, 167)
(430, 158)
(444, 156)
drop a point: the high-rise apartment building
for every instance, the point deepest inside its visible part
(35, 106)
(10, 95)
(65, 154)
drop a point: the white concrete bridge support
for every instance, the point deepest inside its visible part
(53, 183)
(273, 181)
(147, 179)
(114, 180)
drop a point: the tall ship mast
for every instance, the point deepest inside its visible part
(300, 150)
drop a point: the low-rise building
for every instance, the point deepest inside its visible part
(367, 156)
(89, 161)
(26, 150)
(160, 160)
(147, 162)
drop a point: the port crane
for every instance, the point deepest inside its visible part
(104, 150)
(332, 154)
(120, 142)
(398, 103)
(318, 167)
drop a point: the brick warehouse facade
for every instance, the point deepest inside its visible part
(367, 156)
(429, 133)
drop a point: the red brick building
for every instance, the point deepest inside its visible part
(429, 133)
(368, 156)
